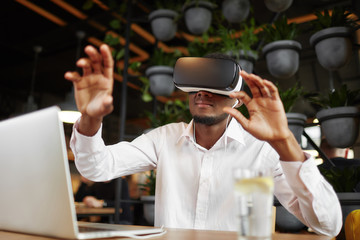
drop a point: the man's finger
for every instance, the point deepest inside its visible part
(107, 60)
(95, 58)
(242, 96)
(238, 116)
(72, 76)
(272, 89)
(249, 79)
(85, 64)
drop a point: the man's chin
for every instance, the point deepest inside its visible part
(209, 120)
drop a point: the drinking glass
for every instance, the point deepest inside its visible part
(253, 190)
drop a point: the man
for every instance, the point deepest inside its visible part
(194, 161)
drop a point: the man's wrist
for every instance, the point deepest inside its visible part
(288, 149)
(88, 126)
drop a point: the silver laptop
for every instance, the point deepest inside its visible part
(35, 187)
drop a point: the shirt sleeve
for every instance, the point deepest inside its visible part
(311, 198)
(98, 162)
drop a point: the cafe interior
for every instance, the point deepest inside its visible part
(41, 40)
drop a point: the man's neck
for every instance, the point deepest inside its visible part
(207, 135)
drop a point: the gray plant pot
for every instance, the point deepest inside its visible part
(163, 24)
(333, 47)
(349, 201)
(340, 125)
(296, 122)
(149, 208)
(278, 5)
(235, 11)
(247, 60)
(287, 222)
(198, 16)
(161, 80)
(282, 58)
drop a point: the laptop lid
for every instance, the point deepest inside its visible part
(35, 176)
(35, 183)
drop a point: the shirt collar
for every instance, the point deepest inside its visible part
(188, 132)
(234, 131)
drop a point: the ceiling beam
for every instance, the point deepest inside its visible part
(42, 12)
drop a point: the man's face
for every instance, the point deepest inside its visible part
(207, 108)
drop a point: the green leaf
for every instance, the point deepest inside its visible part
(88, 5)
(120, 54)
(290, 96)
(115, 24)
(341, 97)
(280, 30)
(111, 41)
(135, 66)
(338, 18)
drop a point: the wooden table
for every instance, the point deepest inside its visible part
(181, 234)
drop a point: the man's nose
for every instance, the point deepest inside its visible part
(203, 94)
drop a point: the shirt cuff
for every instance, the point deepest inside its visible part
(85, 144)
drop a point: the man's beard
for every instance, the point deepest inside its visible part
(209, 121)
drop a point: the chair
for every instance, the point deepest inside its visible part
(352, 225)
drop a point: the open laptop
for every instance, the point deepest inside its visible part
(35, 185)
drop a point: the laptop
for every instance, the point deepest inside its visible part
(35, 185)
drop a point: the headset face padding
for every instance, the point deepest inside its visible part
(220, 76)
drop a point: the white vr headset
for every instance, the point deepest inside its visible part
(220, 76)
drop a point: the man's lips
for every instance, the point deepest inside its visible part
(203, 104)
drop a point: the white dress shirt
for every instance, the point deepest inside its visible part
(194, 186)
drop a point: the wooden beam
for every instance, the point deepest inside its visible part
(42, 12)
(70, 9)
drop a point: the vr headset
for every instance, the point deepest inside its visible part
(220, 76)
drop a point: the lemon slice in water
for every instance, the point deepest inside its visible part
(259, 184)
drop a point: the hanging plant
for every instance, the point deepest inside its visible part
(164, 19)
(241, 48)
(339, 118)
(198, 15)
(332, 39)
(160, 72)
(201, 46)
(282, 51)
(296, 121)
(278, 5)
(236, 11)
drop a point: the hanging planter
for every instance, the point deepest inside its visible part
(340, 125)
(282, 58)
(296, 122)
(163, 24)
(282, 51)
(161, 80)
(333, 47)
(332, 39)
(198, 16)
(278, 5)
(339, 119)
(235, 11)
(160, 74)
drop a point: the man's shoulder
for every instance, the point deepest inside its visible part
(178, 127)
